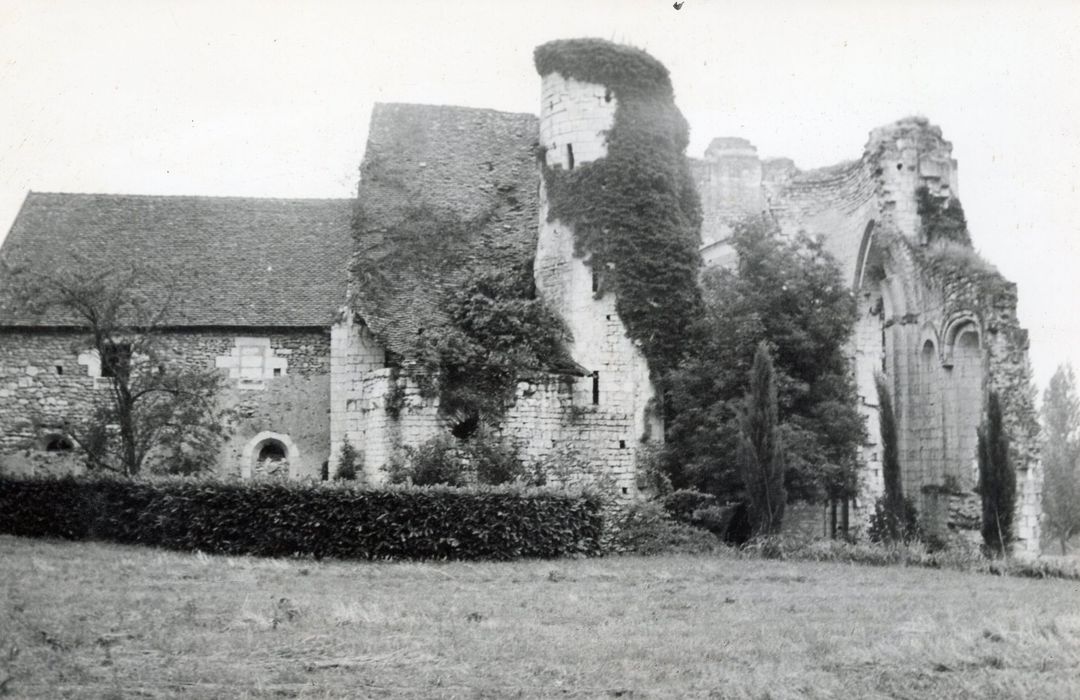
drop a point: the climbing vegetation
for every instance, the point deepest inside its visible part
(497, 332)
(635, 213)
(942, 218)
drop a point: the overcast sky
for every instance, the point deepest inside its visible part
(273, 98)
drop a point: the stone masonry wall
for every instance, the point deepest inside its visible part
(911, 325)
(47, 375)
(617, 397)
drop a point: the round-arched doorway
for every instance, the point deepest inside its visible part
(269, 454)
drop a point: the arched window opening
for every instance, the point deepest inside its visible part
(58, 443)
(272, 451)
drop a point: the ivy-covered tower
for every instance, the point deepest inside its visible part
(617, 246)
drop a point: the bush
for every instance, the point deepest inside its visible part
(435, 462)
(347, 462)
(494, 460)
(701, 510)
(886, 527)
(682, 504)
(646, 528)
(306, 519)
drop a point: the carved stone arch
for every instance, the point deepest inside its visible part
(865, 247)
(928, 335)
(256, 445)
(958, 325)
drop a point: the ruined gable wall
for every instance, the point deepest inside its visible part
(35, 397)
(912, 320)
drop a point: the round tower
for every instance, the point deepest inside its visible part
(611, 403)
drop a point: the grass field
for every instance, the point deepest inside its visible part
(105, 621)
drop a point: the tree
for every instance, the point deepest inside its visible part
(155, 410)
(788, 292)
(997, 480)
(347, 462)
(760, 456)
(893, 499)
(1061, 457)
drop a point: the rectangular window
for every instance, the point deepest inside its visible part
(569, 157)
(596, 388)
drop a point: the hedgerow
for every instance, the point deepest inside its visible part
(304, 519)
(636, 214)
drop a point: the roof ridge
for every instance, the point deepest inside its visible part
(229, 197)
(467, 108)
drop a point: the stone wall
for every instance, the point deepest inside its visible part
(46, 376)
(617, 397)
(943, 338)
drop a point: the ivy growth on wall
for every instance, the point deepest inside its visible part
(636, 212)
(942, 218)
(498, 332)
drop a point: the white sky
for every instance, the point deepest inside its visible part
(273, 98)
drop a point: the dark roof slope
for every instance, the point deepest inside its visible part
(227, 261)
(442, 190)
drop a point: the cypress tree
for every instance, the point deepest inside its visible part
(760, 453)
(890, 462)
(997, 480)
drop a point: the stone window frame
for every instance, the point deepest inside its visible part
(241, 364)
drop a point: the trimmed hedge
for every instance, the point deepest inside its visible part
(320, 520)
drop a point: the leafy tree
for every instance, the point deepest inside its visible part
(1061, 457)
(997, 480)
(760, 456)
(789, 293)
(893, 507)
(155, 412)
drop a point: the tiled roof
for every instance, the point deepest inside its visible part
(442, 189)
(227, 261)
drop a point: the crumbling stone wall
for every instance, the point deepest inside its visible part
(944, 335)
(42, 381)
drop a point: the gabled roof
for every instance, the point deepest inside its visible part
(227, 261)
(442, 190)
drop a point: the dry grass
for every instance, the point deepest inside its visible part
(102, 621)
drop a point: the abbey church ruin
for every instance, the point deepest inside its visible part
(316, 310)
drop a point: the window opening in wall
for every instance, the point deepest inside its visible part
(622, 444)
(277, 371)
(325, 473)
(117, 359)
(596, 388)
(59, 369)
(272, 451)
(607, 95)
(595, 278)
(569, 156)
(58, 443)
(466, 426)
